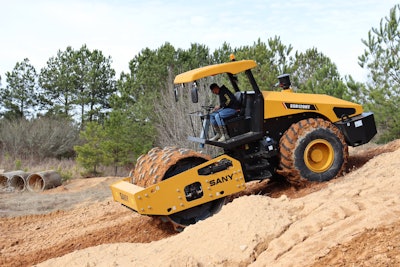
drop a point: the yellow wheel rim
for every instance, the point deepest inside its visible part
(319, 155)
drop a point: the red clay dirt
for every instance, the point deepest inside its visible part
(35, 227)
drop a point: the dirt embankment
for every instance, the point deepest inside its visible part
(352, 220)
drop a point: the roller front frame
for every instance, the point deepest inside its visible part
(214, 179)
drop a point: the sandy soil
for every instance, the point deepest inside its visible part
(349, 221)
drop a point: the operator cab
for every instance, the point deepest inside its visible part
(247, 125)
(243, 127)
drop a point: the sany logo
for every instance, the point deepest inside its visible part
(221, 180)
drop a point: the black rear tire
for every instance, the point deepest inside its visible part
(313, 150)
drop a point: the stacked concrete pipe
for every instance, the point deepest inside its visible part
(37, 182)
(3, 182)
(13, 181)
(17, 180)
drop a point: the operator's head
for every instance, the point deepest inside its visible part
(214, 88)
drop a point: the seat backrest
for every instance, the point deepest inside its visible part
(241, 98)
(238, 96)
(249, 103)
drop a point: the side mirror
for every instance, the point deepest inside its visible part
(176, 94)
(194, 94)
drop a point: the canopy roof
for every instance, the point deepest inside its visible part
(233, 67)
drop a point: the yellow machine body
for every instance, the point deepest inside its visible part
(286, 103)
(169, 196)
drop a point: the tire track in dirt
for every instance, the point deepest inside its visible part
(374, 247)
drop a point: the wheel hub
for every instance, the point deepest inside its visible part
(319, 155)
(316, 155)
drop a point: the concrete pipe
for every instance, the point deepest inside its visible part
(5, 179)
(3, 182)
(17, 181)
(37, 182)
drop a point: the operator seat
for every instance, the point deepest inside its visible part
(241, 98)
(240, 122)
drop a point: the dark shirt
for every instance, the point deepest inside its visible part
(227, 99)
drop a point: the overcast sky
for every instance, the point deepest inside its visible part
(121, 28)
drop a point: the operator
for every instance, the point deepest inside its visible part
(228, 106)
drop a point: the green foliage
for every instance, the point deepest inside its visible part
(222, 54)
(58, 84)
(125, 139)
(381, 58)
(65, 174)
(357, 92)
(18, 164)
(139, 90)
(90, 153)
(313, 72)
(119, 142)
(273, 58)
(196, 56)
(19, 96)
(96, 83)
(80, 79)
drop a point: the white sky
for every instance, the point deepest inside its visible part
(121, 28)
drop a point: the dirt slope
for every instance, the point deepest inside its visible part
(350, 220)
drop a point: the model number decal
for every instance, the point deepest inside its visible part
(223, 179)
(300, 106)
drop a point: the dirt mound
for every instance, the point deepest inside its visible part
(315, 225)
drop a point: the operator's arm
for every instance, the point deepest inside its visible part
(224, 102)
